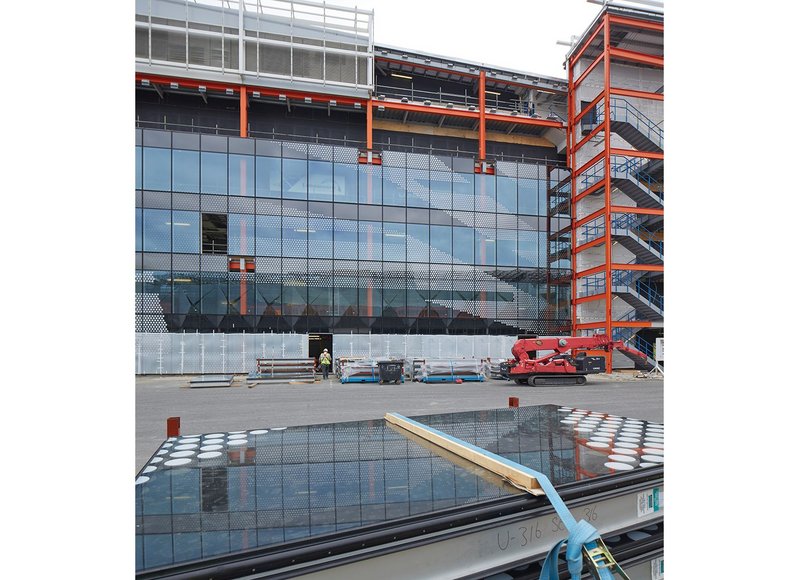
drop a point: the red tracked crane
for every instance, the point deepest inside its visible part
(559, 367)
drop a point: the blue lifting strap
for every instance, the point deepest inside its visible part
(583, 537)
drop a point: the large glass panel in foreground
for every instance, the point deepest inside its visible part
(203, 495)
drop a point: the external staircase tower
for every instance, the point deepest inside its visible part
(615, 150)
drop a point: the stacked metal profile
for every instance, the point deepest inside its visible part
(341, 361)
(359, 371)
(414, 368)
(283, 370)
(450, 370)
(498, 369)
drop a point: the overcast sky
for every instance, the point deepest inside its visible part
(517, 34)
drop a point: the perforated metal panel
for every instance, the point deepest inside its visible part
(394, 159)
(530, 171)
(157, 199)
(485, 288)
(210, 263)
(185, 262)
(506, 221)
(241, 204)
(295, 150)
(268, 207)
(186, 201)
(484, 220)
(506, 168)
(345, 155)
(440, 163)
(150, 322)
(418, 161)
(464, 218)
(418, 190)
(320, 285)
(320, 152)
(153, 261)
(213, 203)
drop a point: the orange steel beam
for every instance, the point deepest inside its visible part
(591, 298)
(593, 189)
(266, 91)
(636, 94)
(633, 323)
(644, 24)
(608, 245)
(425, 109)
(592, 216)
(590, 271)
(369, 130)
(587, 43)
(589, 163)
(636, 56)
(591, 244)
(588, 107)
(636, 153)
(590, 325)
(523, 120)
(482, 115)
(638, 267)
(243, 112)
(588, 137)
(587, 71)
(639, 210)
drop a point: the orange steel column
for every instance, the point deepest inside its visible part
(369, 127)
(570, 160)
(608, 242)
(482, 133)
(243, 111)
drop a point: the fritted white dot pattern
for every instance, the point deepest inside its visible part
(631, 443)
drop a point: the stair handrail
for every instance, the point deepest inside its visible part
(630, 222)
(632, 167)
(625, 279)
(618, 104)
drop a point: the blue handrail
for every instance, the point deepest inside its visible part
(647, 291)
(629, 221)
(623, 110)
(628, 335)
(632, 168)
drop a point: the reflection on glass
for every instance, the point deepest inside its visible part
(506, 194)
(345, 182)
(138, 167)
(241, 173)
(295, 237)
(528, 249)
(394, 186)
(267, 177)
(418, 243)
(394, 242)
(485, 192)
(441, 189)
(138, 230)
(320, 479)
(418, 182)
(295, 184)
(440, 244)
(369, 240)
(186, 232)
(156, 228)
(463, 191)
(267, 235)
(463, 245)
(528, 196)
(320, 180)
(370, 184)
(241, 234)
(213, 172)
(320, 237)
(506, 248)
(157, 169)
(186, 171)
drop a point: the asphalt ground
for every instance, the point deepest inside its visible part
(241, 407)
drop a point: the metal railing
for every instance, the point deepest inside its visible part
(410, 94)
(629, 336)
(622, 110)
(632, 168)
(627, 279)
(633, 223)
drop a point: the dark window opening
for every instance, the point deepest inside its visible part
(214, 233)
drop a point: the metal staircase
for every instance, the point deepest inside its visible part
(629, 176)
(632, 125)
(637, 238)
(638, 294)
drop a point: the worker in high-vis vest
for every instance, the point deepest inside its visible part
(325, 362)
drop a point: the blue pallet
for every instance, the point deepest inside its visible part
(453, 378)
(359, 380)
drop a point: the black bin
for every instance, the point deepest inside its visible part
(389, 371)
(590, 364)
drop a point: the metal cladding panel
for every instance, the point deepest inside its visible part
(138, 198)
(418, 161)
(244, 205)
(139, 260)
(506, 221)
(217, 143)
(156, 138)
(268, 207)
(210, 263)
(155, 261)
(320, 152)
(531, 171)
(294, 150)
(267, 147)
(463, 164)
(370, 212)
(186, 201)
(418, 216)
(345, 155)
(440, 217)
(463, 218)
(138, 138)
(185, 262)
(157, 199)
(440, 163)
(241, 145)
(188, 141)
(485, 220)
(214, 203)
(506, 168)
(295, 208)
(394, 159)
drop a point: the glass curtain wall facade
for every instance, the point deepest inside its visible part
(257, 235)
